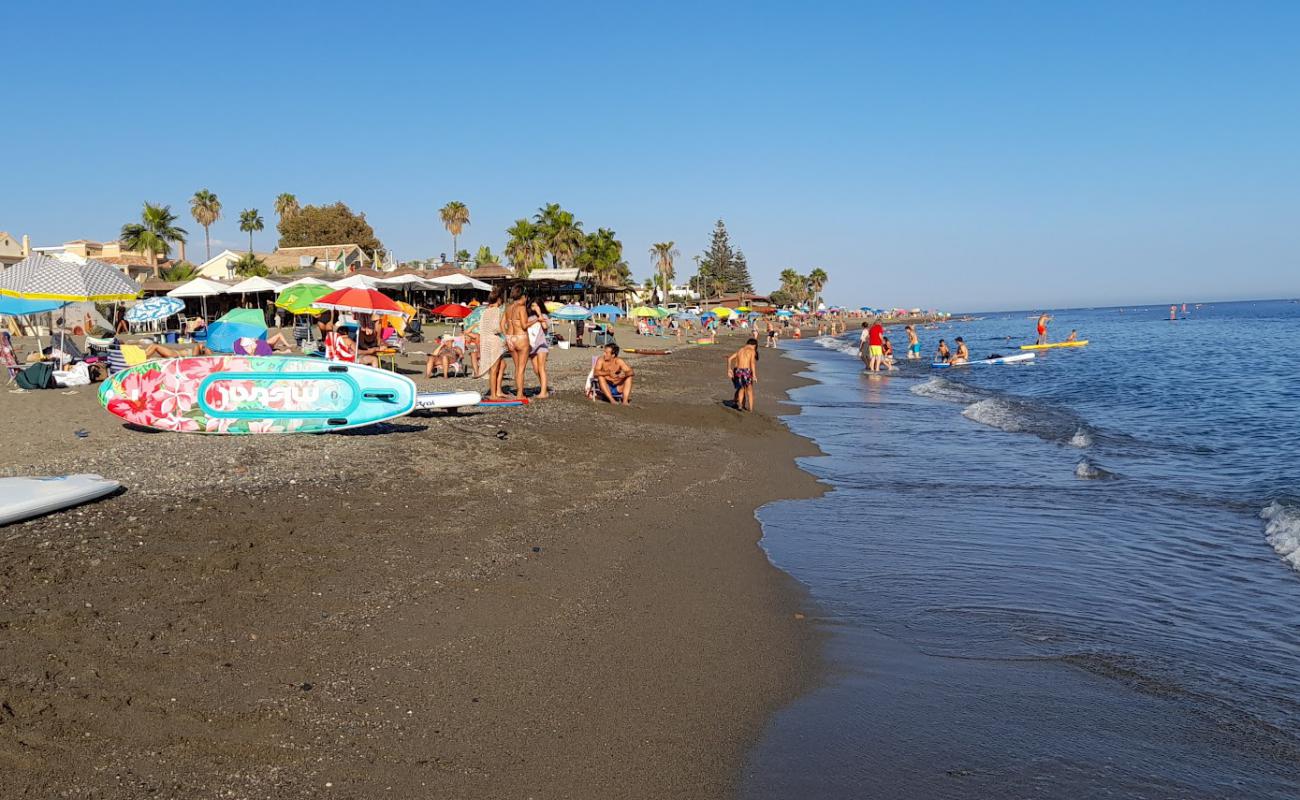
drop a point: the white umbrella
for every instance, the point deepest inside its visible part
(202, 288)
(407, 281)
(254, 285)
(355, 282)
(308, 281)
(453, 280)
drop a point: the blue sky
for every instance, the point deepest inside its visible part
(959, 155)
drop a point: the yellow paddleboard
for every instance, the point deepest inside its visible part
(1050, 345)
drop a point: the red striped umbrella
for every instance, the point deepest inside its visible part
(360, 301)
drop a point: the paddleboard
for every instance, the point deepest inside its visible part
(1019, 358)
(513, 401)
(24, 498)
(426, 400)
(647, 352)
(1050, 345)
(256, 394)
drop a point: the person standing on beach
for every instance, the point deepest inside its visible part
(876, 346)
(742, 370)
(1043, 319)
(540, 348)
(491, 347)
(515, 328)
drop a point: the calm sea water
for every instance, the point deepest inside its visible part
(1076, 577)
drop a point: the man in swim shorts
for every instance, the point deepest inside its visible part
(1043, 319)
(913, 343)
(742, 369)
(876, 347)
(963, 353)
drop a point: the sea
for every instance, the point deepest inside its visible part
(1076, 577)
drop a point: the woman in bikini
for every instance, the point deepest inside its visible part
(515, 328)
(538, 322)
(490, 363)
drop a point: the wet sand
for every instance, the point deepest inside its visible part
(564, 600)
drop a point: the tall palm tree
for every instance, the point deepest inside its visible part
(286, 205)
(455, 216)
(817, 281)
(525, 248)
(545, 219)
(564, 239)
(206, 209)
(793, 285)
(662, 255)
(250, 220)
(153, 234)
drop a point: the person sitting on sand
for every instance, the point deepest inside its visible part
(943, 354)
(742, 369)
(963, 353)
(612, 373)
(158, 351)
(445, 355)
(368, 343)
(249, 346)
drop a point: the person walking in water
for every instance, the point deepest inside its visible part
(913, 343)
(1043, 319)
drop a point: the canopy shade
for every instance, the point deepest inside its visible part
(40, 277)
(254, 284)
(199, 287)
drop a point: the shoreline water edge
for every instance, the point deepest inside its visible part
(564, 600)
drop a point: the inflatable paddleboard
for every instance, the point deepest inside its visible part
(24, 498)
(426, 400)
(1019, 358)
(256, 394)
(1050, 345)
(513, 401)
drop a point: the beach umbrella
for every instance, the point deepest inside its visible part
(452, 311)
(254, 285)
(40, 277)
(645, 311)
(298, 299)
(609, 310)
(460, 281)
(238, 324)
(154, 308)
(552, 305)
(358, 301)
(570, 312)
(722, 312)
(688, 316)
(355, 282)
(201, 288)
(397, 321)
(744, 309)
(785, 312)
(18, 307)
(307, 281)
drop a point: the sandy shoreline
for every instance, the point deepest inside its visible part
(565, 600)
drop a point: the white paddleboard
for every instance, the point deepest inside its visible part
(987, 362)
(23, 498)
(427, 400)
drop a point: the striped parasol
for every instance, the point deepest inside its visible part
(152, 308)
(40, 277)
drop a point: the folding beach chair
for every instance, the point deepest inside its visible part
(7, 358)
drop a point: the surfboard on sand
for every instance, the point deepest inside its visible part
(24, 498)
(1050, 345)
(256, 394)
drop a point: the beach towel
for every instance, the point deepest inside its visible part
(491, 346)
(38, 376)
(132, 354)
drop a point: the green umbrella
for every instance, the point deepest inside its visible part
(298, 299)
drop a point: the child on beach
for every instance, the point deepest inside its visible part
(913, 343)
(742, 370)
(943, 354)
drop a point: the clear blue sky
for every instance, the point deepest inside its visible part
(960, 155)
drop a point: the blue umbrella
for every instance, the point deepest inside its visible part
(240, 323)
(785, 312)
(153, 308)
(570, 312)
(609, 310)
(689, 316)
(19, 307)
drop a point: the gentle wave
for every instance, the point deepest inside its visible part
(1282, 529)
(1022, 416)
(1088, 471)
(949, 391)
(1081, 439)
(838, 345)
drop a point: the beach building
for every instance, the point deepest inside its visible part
(132, 262)
(333, 257)
(12, 250)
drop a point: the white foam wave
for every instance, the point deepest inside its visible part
(1088, 471)
(948, 391)
(1081, 439)
(1014, 415)
(1282, 530)
(838, 345)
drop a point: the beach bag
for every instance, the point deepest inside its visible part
(38, 376)
(76, 375)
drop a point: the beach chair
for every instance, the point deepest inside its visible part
(593, 386)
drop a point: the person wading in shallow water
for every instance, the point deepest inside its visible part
(742, 369)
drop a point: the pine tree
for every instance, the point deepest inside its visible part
(716, 264)
(740, 281)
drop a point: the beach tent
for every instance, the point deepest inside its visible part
(201, 288)
(237, 324)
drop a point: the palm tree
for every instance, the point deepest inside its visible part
(662, 255)
(564, 239)
(793, 285)
(286, 205)
(206, 209)
(250, 220)
(153, 234)
(525, 248)
(455, 216)
(545, 219)
(817, 281)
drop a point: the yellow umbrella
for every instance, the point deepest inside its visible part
(645, 311)
(744, 309)
(722, 312)
(399, 323)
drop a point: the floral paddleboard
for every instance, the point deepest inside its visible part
(256, 394)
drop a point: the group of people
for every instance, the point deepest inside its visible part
(877, 351)
(513, 325)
